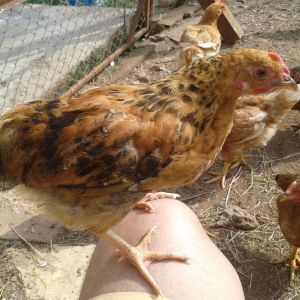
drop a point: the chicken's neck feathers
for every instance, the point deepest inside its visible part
(190, 88)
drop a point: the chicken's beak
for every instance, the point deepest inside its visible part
(287, 83)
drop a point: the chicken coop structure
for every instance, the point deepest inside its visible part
(50, 48)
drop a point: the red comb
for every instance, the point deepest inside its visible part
(275, 57)
(278, 59)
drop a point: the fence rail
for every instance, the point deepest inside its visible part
(50, 48)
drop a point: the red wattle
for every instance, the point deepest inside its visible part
(261, 91)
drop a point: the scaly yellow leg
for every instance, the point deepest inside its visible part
(222, 175)
(293, 260)
(227, 166)
(139, 254)
(242, 161)
(145, 205)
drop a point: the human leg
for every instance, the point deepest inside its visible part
(207, 275)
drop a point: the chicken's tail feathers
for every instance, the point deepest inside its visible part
(4, 135)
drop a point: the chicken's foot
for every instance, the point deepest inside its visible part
(227, 166)
(293, 260)
(242, 162)
(297, 130)
(220, 175)
(145, 205)
(139, 254)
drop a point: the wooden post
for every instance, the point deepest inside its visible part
(228, 26)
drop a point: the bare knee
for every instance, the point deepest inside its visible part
(207, 275)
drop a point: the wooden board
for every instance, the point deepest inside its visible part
(130, 62)
(228, 26)
(7, 4)
(172, 18)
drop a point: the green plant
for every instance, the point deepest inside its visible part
(47, 2)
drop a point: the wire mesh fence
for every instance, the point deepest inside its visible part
(46, 46)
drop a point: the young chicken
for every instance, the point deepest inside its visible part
(288, 205)
(255, 122)
(295, 74)
(203, 39)
(89, 160)
(189, 54)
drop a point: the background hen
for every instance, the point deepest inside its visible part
(204, 38)
(288, 205)
(255, 122)
(89, 160)
(295, 74)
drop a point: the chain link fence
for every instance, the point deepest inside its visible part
(47, 46)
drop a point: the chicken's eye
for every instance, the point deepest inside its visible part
(261, 74)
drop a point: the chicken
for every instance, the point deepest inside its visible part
(203, 39)
(255, 122)
(285, 180)
(189, 54)
(295, 74)
(288, 205)
(90, 159)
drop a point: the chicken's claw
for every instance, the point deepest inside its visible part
(293, 260)
(217, 177)
(220, 176)
(227, 166)
(297, 130)
(243, 163)
(140, 254)
(145, 205)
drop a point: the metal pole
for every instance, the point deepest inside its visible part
(131, 39)
(75, 88)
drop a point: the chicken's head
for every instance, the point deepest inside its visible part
(285, 180)
(258, 72)
(293, 191)
(213, 12)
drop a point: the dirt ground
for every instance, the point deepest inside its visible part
(269, 25)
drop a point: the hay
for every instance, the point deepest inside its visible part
(11, 284)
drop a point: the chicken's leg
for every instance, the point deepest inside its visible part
(242, 162)
(145, 205)
(140, 254)
(227, 166)
(221, 176)
(293, 260)
(297, 130)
